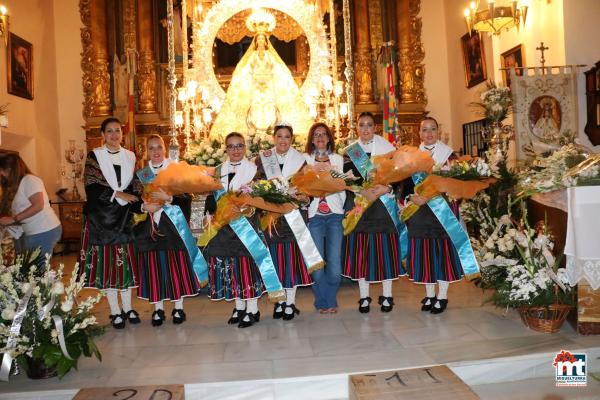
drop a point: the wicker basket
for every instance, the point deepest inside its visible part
(544, 319)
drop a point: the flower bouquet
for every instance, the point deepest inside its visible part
(462, 180)
(42, 322)
(547, 173)
(272, 196)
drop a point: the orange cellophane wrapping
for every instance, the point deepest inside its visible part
(235, 205)
(316, 183)
(179, 178)
(455, 189)
(400, 164)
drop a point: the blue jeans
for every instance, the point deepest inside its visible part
(45, 241)
(327, 232)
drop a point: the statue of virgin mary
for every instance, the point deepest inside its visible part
(262, 89)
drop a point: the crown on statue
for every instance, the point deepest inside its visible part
(261, 21)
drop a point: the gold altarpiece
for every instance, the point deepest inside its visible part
(114, 29)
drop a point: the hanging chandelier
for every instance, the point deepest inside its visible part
(495, 17)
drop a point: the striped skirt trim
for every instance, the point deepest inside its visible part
(107, 267)
(166, 275)
(432, 260)
(372, 256)
(232, 278)
(289, 265)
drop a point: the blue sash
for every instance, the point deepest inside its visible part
(147, 176)
(364, 165)
(452, 226)
(259, 252)
(198, 262)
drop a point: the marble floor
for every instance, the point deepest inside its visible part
(205, 350)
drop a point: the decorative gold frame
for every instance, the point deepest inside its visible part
(471, 80)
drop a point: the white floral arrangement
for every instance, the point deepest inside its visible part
(496, 102)
(56, 326)
(517, 262)
(209, 152)
(257, 142)
(547, 174)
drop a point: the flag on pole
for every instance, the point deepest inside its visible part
(390, 111)
(129, 128)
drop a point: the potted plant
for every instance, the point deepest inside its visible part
(55, 326)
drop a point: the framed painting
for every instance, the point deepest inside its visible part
(474, 59)
(19, 67)
(512, 58)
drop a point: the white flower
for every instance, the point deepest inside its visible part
(8, 314)
(25, 287)
(211, 162)
(54, 333)
(489, 243)
(58, 288)
(67, 305)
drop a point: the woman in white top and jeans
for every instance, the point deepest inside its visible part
(25, 202)
(325, 219)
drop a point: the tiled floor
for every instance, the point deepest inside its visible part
(206, 349)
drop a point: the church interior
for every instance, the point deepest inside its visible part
(515, 84)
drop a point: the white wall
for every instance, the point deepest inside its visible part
(437, 84)
(33, 124)
(582, 43)
(461, 97)
(40, 128)
(68, 78)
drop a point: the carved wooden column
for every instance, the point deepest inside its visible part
(146, 72)
(362, 54)
(410, 51)
(411, 69)
(94, 62)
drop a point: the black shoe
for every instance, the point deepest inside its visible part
(236, 316)
(118, 325)
(278, 314)
(295, 311)
(161, 317)
(252, 318)
(364, 309)
(425, 306)
(390, 301)
(178, 316)
(133, 317)
(443, 304)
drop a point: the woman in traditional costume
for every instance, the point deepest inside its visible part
(432, 256)
(325, 217)
(108, 257)
(291, 246)
(168, 257)
(372, 250)
(233, 273)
